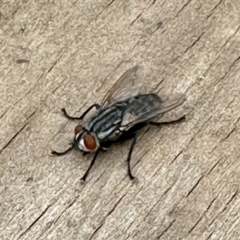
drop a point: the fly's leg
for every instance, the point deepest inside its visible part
(170, 122)
(97, 106)
(90, 166)
(62, 153)
(106, 145)
(124, 137)
(129, 156)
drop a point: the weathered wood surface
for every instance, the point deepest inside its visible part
(188, 174)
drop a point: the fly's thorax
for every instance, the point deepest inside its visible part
(105, 124)
(86, 141)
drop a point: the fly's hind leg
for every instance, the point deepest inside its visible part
(129, 156)
(124, 137)
(170, 122)
(65, 114)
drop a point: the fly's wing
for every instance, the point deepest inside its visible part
(129, 84)
(146, 114)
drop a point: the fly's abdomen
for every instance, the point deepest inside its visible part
(141, 104)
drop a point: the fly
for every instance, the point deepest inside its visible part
(124, 111)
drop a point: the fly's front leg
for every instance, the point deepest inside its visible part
(62, 153)
(91, 165)
(170, 122)
(124, 137)
(96, 105)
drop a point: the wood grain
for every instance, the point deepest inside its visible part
(69, 54)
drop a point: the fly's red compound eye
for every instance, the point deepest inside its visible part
(89, 142)
(78, 129)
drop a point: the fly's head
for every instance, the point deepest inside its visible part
(85, 141)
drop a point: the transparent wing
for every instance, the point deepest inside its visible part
(129, 84)
(147, 114)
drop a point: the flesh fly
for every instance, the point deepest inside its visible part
(124, 111)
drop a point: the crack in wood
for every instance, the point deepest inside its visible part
(13, 137)
(225, 207)
(138, 16)
(231, 199)
(105, 218)
(50, 224)
(166, 229)
(96, 230)
(22, 60)
(194, 42)
(209, 236)
(15, 11)
(110, 3)
(103, 10)
(191, 140)
(182, 8)
(50, 69)
(213, 62)
(214, 8)
(229, 104)
(229, 69)
(176, 157)
(160, 199)
(201, 217)
(129, 226)
(153, 2)
(194, 186)
(3, 114)
(69, 206)
(210, 205)
(34, 222)
(231, 37)
(229, 134)
(18, 132)
(213, 167)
